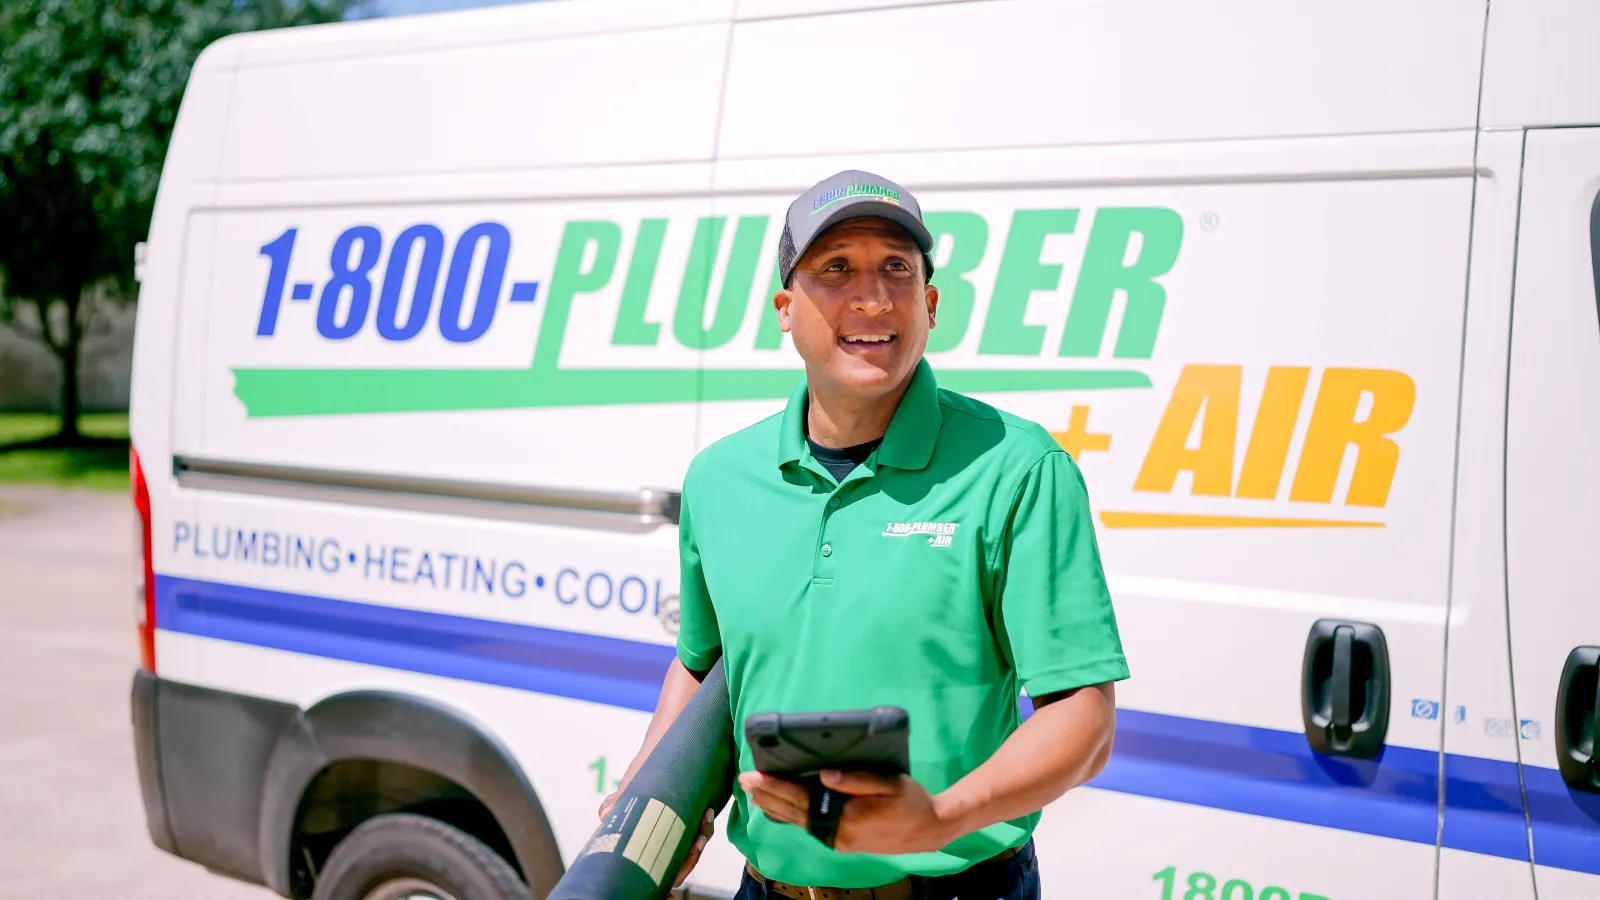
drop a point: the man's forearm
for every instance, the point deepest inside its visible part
(1062, 745)
(677, 689)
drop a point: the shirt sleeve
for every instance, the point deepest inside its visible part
(699, 637)
(1055, 611)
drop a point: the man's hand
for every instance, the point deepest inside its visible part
(708, 827)
(882, 815)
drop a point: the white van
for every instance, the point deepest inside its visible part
(437, 310)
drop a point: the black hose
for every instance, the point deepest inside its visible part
(636, 852)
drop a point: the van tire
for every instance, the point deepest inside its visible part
(387, 852)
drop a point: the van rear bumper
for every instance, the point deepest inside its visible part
(202, 757)
(148, 761)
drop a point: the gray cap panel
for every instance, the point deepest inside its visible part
(848, 195)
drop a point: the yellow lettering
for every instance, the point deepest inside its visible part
(1215, 389)
(1077, 439)
(1273, 430)
(1334, 427)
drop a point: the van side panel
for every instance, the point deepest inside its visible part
(1540, 65)
(1043, 72)
(517, 102)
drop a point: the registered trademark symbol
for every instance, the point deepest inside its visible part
(1209, 221)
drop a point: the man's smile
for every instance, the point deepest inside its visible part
(867, 342)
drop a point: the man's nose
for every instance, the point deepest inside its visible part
(872, 296)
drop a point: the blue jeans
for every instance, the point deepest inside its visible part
(1015, 879)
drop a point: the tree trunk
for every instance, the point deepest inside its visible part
(69, 392)
(68, 351)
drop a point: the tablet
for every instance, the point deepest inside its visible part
(801, 745)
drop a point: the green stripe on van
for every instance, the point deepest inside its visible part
(327, 392)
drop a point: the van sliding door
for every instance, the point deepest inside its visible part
(1552, 488)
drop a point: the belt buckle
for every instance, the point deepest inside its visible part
(811, 893)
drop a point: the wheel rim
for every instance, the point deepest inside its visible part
(408, 889)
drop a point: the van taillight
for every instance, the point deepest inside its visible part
(145, 604)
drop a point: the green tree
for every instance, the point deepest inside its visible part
(89, 92)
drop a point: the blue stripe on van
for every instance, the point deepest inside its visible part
(569, 664)
(1258, 771)
(1566, 824)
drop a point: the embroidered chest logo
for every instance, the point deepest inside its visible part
(939, 534)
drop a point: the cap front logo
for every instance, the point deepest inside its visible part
(874, 191)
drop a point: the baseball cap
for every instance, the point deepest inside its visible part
(848, 195)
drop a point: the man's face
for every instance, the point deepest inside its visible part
(859, 307)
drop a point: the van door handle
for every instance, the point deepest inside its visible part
(1578, 720)
(1344, 688)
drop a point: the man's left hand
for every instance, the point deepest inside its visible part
(884, 814)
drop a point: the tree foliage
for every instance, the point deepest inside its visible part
(89, 93)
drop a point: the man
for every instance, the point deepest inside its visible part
(884, 542)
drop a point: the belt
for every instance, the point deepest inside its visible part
(904, 889)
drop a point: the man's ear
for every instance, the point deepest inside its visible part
(781, 301)
(932, 293)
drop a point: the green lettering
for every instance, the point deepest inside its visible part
(631, 329)
(1103, 274)
(969, 237)
(689, 322)
(1020, 275)
(769, 336)
(570, 279)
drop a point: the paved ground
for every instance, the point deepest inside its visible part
(71, 821)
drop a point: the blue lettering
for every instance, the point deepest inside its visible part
(559, 596)
(398, 564)
(389, 326)
(479, 578)
(520, 584)
(366, 568)
(180, 534)
(455, 283)
(656, 610)
(449, 566)
(302, 552)
(244, 551)
(425, 569)
(349, 273)
(226, 544)
(465, 312)
(588, 590)
(329, 561)
(270, 554)
(622, 594)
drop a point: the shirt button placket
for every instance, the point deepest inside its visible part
(827, 552)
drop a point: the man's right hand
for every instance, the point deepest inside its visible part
(608, 802)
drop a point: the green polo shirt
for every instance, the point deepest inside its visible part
(955, 567)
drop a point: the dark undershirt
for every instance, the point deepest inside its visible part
(842, 461)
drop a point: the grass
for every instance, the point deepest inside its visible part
(101, 464)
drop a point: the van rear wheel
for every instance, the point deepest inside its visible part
(400, 856)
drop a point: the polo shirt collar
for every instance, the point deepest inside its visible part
(908, 444)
